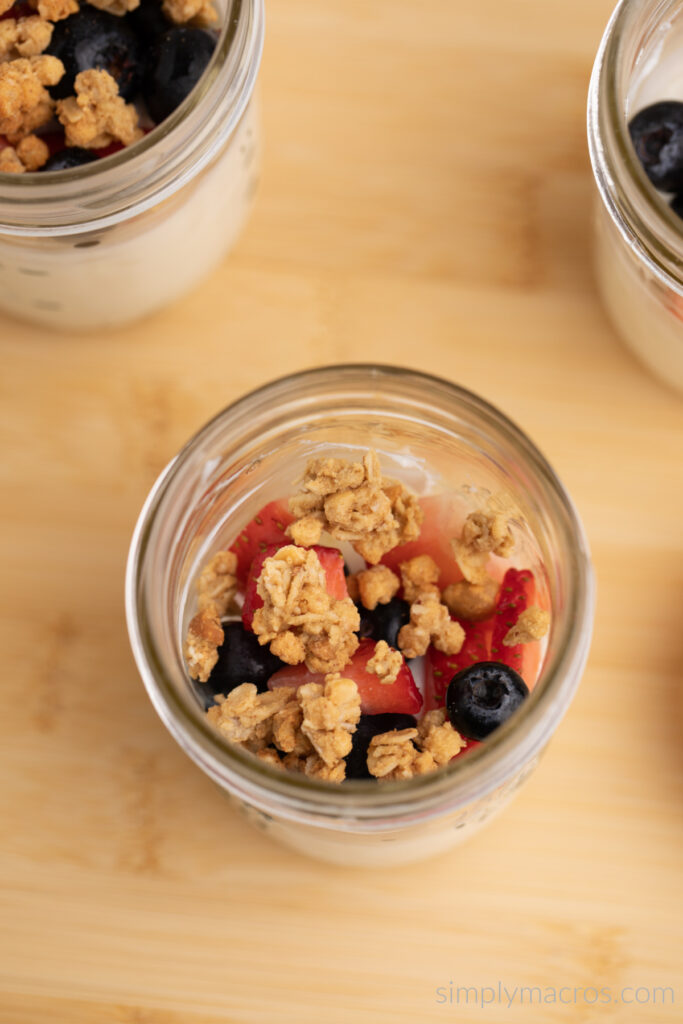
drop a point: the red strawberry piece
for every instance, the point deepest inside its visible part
(21, 10)
(443, 519)
(266, 528)
(517, 593)
(331, 560)
(401, 696)
(440, 668)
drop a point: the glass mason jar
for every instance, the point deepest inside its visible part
(111, 241)
(639, 239)
(437, 438)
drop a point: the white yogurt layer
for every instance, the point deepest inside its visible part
(646, 312)
(117, 275)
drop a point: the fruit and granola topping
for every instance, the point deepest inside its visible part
(306, 665)
(80, 82)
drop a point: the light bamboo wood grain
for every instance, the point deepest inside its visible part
(426, 201)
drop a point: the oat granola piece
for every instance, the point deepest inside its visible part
(375, 586)
(25, 103)
(270, 756)
(246, 716)
(386, 663)
(437, 736)
(430, 623)
(10, 162)
(392, 755)
(24, 37)
(204, 637)
(483, 533)
(316, 768)
(331, 712)
(419, 576)
(352, 502)
(29, 155)
(217, 582)
(5, 5)
(55, 10)
(117, 7)
(532, 624)
(200, 12)
(299, 619)
(287, 734)
(471, 601)
(97, 115)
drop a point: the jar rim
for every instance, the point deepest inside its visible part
(377, 807)
(643, 218)
(138, 177)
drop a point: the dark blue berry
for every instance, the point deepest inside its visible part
(241, 659)
(385, 621)
(72, 156)
(177, 60)
(369, 726)
(483, 696)
(95, 39)
(148, 20)
(657, 135)
(677, 205)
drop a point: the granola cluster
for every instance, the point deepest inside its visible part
(24, 37)
(29, 155)
(373, 586)
(430, 623)
(471, 601)
(385, 663)
(532, 624)
(353, 502)
(25, 103)
(204, 637)
(483, 534)
(217, 583)
(299, 619)
(308, 730)
(403, 753)
(54, 10)
(200, 12)
(419, 576)
(97, 116)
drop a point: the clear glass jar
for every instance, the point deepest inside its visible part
(111, 241)
(435, 437)
(639, 239)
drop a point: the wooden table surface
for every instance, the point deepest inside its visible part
(425, 201)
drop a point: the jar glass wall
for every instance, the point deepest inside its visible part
(103, 244)
(438, 439)
(639, 239)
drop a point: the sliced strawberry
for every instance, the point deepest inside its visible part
(20, 10)
(268, 527)
(443, 519)
(440, 668)
(331, 560)
(517, 592)
(401, 696)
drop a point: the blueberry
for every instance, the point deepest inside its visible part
(657, 135)
(677, 205)
(177, 60)
(369, 726)
(72, 156)
(385, 621)
(95, 39)
(483, 696)
(148, 20)
(241, 659)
